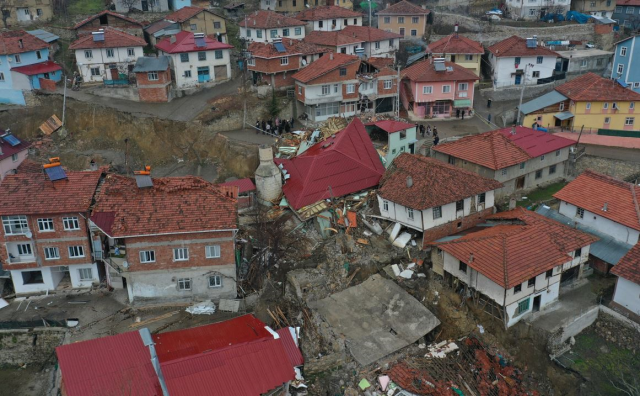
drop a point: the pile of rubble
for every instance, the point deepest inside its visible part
(614, 331)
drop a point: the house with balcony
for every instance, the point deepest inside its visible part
(520, 158)
(437, 88)
(588, 100)
(107, 56)
(406, 19)
(276, 63)
(45, 243)
(433, 198)
(337, 42)
(626, 61)
(378, 87)
(170, 238)
(488, 262)
(267, 26)
(26, 12)
(519, 61)
(329, 18)
(328, 88)
(105, 19)
(377, 43)
(627, 14)
(603, 8)
(13, 151)
(535, 9)
(196, 60)
(460, 50)
(24, 66)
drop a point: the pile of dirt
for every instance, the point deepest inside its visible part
(616, 332)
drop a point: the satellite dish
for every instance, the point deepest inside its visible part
(28, 234)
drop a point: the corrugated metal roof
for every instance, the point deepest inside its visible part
(414, 58)
(43, 35)
(565, 115)
(151, 63)
(244, 185)
(543, 101)
(606, 249)
(293, 351)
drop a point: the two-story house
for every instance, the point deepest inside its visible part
(392, 138)
(336, 41)
(377, 43)
(45, 236)
(25, 12)
(141, 5)
(197, 59)
(520, 158)
(603, 8)
(404, 18)
(460, 50)
(329, 18)
(516, 61)
(625, 295)
(627, 14)
(292, 6)
(276, 63)
(437, 88)
(13, 151)
(626, 61)
(200, 20)
(107, 18)
(153, 78)
(265, 26)
(434, 198)
(536, 9)
(515, 262)
(378, 86)
(590, 101)
(592, 59)
(107, 55)
(328, 88)
(166, 238)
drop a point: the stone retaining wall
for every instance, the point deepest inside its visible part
(28, 346)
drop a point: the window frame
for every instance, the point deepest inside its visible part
(68, 222)
(19, 221)
(623, 51)
(482, 198)
(25, 249)
(447, 90)
(629, 121)
(152, 76)
(410, 214)
(387, 84)
(46, 225)
(462, 267)
(523, 306)
(463, 86)
(351, 88)
(539, 60)
(218, 54)
(297, 31)
(400, 19)
(181, 254)
(437, 212)
(460, 205)
(552, 169)
(531, 282)
(217, 281)
(579, 212)
(284, 61)
(184, 57)
(184, 284)
(131, 52)
(110, 53)
(385, 206)
(50, 249)
(80, 274)
(517, 288)
(202, 55)
(96, 72)
(424, 89)
(79, 249)
(538, 174)
(212, 248)
(149, 256)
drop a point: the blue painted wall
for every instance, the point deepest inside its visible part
(623, 15)
(178, 4)
(627, 55)
(9, 93)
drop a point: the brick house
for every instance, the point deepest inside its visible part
(434, 198)
(267, 26)
(329, 88)
(378, 86)
(153, 77)
(404, 18)
(460, 50)
(515, 262)
(329, 18)
(276, 63)
(45, 233)
(13, 151)
(106, 19)
(166, 238)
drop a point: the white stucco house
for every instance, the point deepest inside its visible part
(410, 196)
(329, 18)
(377, 42)
(265, 26)
(196, 59)
(627, 289)
(516, 262)
(517, 61)
(107, 55)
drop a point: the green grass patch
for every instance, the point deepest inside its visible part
(82, 7)
(541, 195)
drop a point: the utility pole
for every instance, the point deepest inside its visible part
(524, 82)
(398, 95)
(64, 99)
(369, 13)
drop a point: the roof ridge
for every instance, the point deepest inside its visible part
(504, 262)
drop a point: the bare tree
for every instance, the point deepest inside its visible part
(128, 4)
(5, 11)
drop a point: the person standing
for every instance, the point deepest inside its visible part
(458, 113)
(264, 125)
(292, 120)
(436, 138)
(428, 130)
(257, 126)
(268, 130)
(435, 131)
(463, 115)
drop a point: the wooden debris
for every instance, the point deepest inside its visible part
(362, 241)
(157, 318)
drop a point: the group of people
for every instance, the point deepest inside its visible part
(274, 127)
(426, 131)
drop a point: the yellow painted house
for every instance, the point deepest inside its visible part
(460, 50)
(589, 101)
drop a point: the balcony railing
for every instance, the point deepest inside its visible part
(21, 259)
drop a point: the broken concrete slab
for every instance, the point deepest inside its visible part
(377, 317)
(402, 240)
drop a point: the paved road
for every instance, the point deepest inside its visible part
(186, 108)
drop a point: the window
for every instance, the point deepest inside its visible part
(110, 53)
(427, 90)
(215, 281)
(385, 206)
(299, 90)
(284, 61)
(599, 61)
(414, 32)
(131, 52)
(351, 88)
(535, 74)
(39, 11)
(561, 106)
(607, 120)
(618, 10)
(274, 33)
(580, 212)
(76, 251)
(184, 284)
(605, 106)
(343, 71)
(251, 62)
(320, 24)
(533, 11)
(377, 45)
(549, 274)
(187, 73)
(517, 289)
(620, 68)
(538, 174)
(629, 10)
(51, 253)
(437, 212)
(202, 56)
(504, 172)
(152, 76)
(180, 254)
(517, 60)
(446, 88)
(523, 306)
(522, 165)
(387, 84)
(217, 25)
(410, 213)
(45, 225)
(148, 256)
(400, 19)
(184, 58)
(452, 160)
(32, 277)
(387, 19)
(462, 267)
(578, 253)
(17, 58)
(285, 32)
(623, 51)
(298, 31)
(636, 84)
(531, 282)
(583, 63)
(542, 158)
(24, 249)
(15, 225)
(218, 54)
(482, 198)
(85, 274)
(628, 121)
(391, 43)
(95, 71)
(38, 55)
(259, 33)
(632, 105)
(70, 223)
(539, 60)
(460, 205)
(463, 86)
(326, 89)
(401, 32)
(212, 251)
(1, 76)
(415, 20)
(193, 27)
(248, 32)
(588, 106)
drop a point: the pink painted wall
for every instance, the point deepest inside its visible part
(8, 164)
(417, 88)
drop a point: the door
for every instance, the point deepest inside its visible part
(536, 303)
(453, 58)
(558, 122)
(114, 74)
(520, 183)
(220, 72)
(203, 74)
(412, 148)
(518, 79)
(145, 5)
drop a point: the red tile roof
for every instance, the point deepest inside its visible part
(326, 12)
(404, 8)
(107, 12)
(10, 42)
(345, 163)
(268, 20)
(293, 351)
(323, 66)
(292, 47)
(522, 245)
(113, 38)
(186, 42)
(628, 3)
(391, 126)
(500, 149)
(425, 71)
(38, 68)
(629, 266)
(186, 13)
(34, 193)
(434, 182)
(244, 185)
(369, 34)
(379, 62)
(517, 46)
(29, 166)
(333, 39)
(453, 44)
(591, 191)
(173, 205)
(591, 87)
(9, 150)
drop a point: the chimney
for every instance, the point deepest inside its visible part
(409, 181)
(330, 55)
(513, 130)
(470, 258)
(254, 22)
(93, 165)
(20, 43)
(98, 36)
(455, 29)
(172, 39)
(605, 207)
